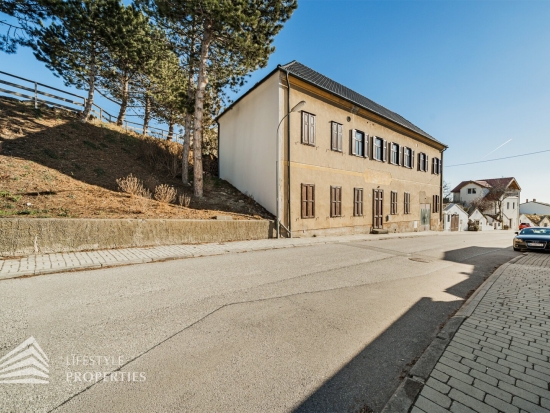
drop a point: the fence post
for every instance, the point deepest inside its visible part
(162, 134)
(100, 115)
(35, 95)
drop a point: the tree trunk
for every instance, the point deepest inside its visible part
(147, 113)
(91, 90)
(170, 131)
(123, 103)
(199, 109)
(185, 152)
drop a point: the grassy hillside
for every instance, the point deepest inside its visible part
(52, 165)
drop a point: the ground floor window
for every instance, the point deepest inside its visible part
(308, 201)
(335, 201)
(393, 205)
(436, 203)
(358, 202)
(407, 197)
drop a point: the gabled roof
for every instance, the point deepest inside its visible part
(308, 75)
(534, 218)
(311, 76)
(488, 183)
(449, 206)
(536, 202)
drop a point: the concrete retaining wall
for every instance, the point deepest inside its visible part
(49, 235)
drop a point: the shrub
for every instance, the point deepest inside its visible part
(165, 193)
(184, 200)
(133, 186)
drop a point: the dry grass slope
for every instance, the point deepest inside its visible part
(52, 165)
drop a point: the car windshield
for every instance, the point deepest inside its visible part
(535, 231)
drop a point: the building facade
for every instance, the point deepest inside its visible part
(534, 207)
(340, 165)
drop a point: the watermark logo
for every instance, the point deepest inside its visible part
(26, 364)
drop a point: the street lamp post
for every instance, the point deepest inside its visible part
(296, 108)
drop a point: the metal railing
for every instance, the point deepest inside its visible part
(76, 105)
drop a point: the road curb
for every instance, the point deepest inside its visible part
(404, 397)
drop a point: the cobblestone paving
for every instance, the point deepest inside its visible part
(499, 359)
(50, 263)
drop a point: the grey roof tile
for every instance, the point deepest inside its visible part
(309, 75)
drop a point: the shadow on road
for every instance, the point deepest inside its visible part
(367, 382)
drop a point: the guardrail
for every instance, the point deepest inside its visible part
(77, 105)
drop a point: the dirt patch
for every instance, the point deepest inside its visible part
(53, 165)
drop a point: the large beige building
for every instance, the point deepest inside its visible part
(338, 164)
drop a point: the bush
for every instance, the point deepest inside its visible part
(133, 186)
(165, 193)
(184, 200)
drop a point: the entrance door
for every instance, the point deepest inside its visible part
(454, 222)
(377, 208)
(425, 217)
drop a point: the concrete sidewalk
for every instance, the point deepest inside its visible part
(72, 261)
(499, 358)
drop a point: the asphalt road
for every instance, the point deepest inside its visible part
(324, 328)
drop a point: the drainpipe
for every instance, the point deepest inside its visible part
(288, 152)
(441, 189)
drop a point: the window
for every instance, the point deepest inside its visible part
(507, 205)
(308, 129)
(469, 190)
(308, 201)
(358, 202)
(513, 205)
(393, 205)
(436, 166)
(336, 137)
(436, 203)
(407, 208)
(394, 157)
(448, 218)
(422, 162)
(358, 143)
(408, 157)
(379, 149)
(335, 201)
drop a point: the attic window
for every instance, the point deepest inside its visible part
(471, 190)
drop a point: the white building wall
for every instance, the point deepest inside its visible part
(462, 220)
(534, 208)
(247, 146)
(467, 198)
(510, 212)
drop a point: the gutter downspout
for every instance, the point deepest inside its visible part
(440, 189)
(288, 152)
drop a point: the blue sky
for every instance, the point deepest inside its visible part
(473, 74)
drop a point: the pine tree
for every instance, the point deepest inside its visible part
(76, 44)
(127, 57)
(233, 38)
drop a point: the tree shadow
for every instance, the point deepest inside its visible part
(367, 382)
(98, 154)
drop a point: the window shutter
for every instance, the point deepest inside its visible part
(433, 166)
(426, 163)
(312, 203)
(352, 142)
(304, 201)
(338, 201)
(312, 129)
(401, 155)
(339, 138)
(412, 158)
(384, 150)
(373, 148)
(334, 136)
(366, 146)
(305, 127)
(361, 202)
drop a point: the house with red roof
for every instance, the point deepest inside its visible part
(496, 197)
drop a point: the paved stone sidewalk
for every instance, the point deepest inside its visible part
(499, 359)
(51, 263)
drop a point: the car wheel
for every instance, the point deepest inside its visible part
(516, 249)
